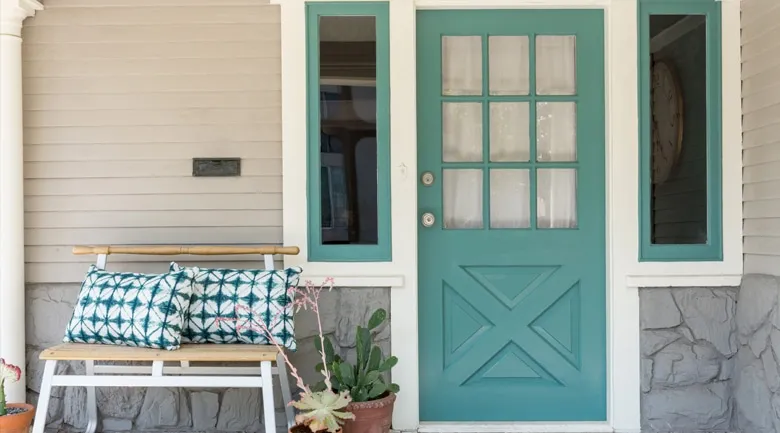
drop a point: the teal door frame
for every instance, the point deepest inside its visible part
(488, 351)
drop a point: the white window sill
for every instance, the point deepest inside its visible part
(350, 274)
(684, 280)
(355, 281)
(725, 273)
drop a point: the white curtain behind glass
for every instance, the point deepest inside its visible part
(462, 190)
(556, 139)
(556, 200)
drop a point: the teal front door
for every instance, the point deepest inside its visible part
(512, 215)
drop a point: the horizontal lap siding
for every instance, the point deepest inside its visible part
(119, 96)
(761, 137)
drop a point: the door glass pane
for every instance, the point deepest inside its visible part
(556, 69)
(556, 131)
(508, 65)
(509, 135)
(348, 132)
(510, 199)
(461, 131)
(556, 198)
(461, 65)
(462, 199)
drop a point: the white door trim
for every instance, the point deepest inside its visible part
(624, 271)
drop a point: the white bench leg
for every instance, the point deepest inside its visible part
(269, 413)
(43, 399)
(157, 368)
(92, 412)
(284, 382)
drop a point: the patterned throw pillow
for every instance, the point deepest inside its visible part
(231, 306)
(129, 309)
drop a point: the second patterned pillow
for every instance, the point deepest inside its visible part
(232, 305)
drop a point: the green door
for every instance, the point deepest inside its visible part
(512, 215)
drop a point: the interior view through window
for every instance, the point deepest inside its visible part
(348, 132)
(679, 130)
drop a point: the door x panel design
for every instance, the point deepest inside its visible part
(478, 348)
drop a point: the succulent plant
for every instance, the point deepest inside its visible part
(322, 410)
(10, 373)
(365, 381)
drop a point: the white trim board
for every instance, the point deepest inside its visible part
(525, 427)
(624, 271)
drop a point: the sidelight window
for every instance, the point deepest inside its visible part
(348, 132)
(680, 115)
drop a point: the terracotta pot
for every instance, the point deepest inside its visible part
(374, 416)
(300, 428)
(20, 422)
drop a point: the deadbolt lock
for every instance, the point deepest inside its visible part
(427, 178)
(428, 219)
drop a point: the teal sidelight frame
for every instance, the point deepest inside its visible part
(317, 252)
(712, 250)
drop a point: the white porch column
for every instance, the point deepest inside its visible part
(12, 326)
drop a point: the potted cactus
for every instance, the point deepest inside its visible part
(14, 417)
(373, 395)
(318, 411)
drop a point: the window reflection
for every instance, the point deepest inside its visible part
(348, 130)
(678, 110)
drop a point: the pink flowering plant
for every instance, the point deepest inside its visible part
(10, 373)
(318, 410)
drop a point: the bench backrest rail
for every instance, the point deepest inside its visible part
(267, 251)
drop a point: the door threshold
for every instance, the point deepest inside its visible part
(515, 427)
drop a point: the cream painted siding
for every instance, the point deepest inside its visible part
(119, 96)
(761, 137)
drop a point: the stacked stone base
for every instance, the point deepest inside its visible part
(136, 410)
(757, 368)
(689, 344)
(711, 358)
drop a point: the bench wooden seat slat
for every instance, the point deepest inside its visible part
(187, 352)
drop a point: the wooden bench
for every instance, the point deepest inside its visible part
(169, 369)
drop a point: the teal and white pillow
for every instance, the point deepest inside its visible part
(229, 306)
(131, 309)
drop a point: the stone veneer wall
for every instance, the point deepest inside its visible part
(49, 308)
(757, 375)
(711, 358)
(689, 346)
